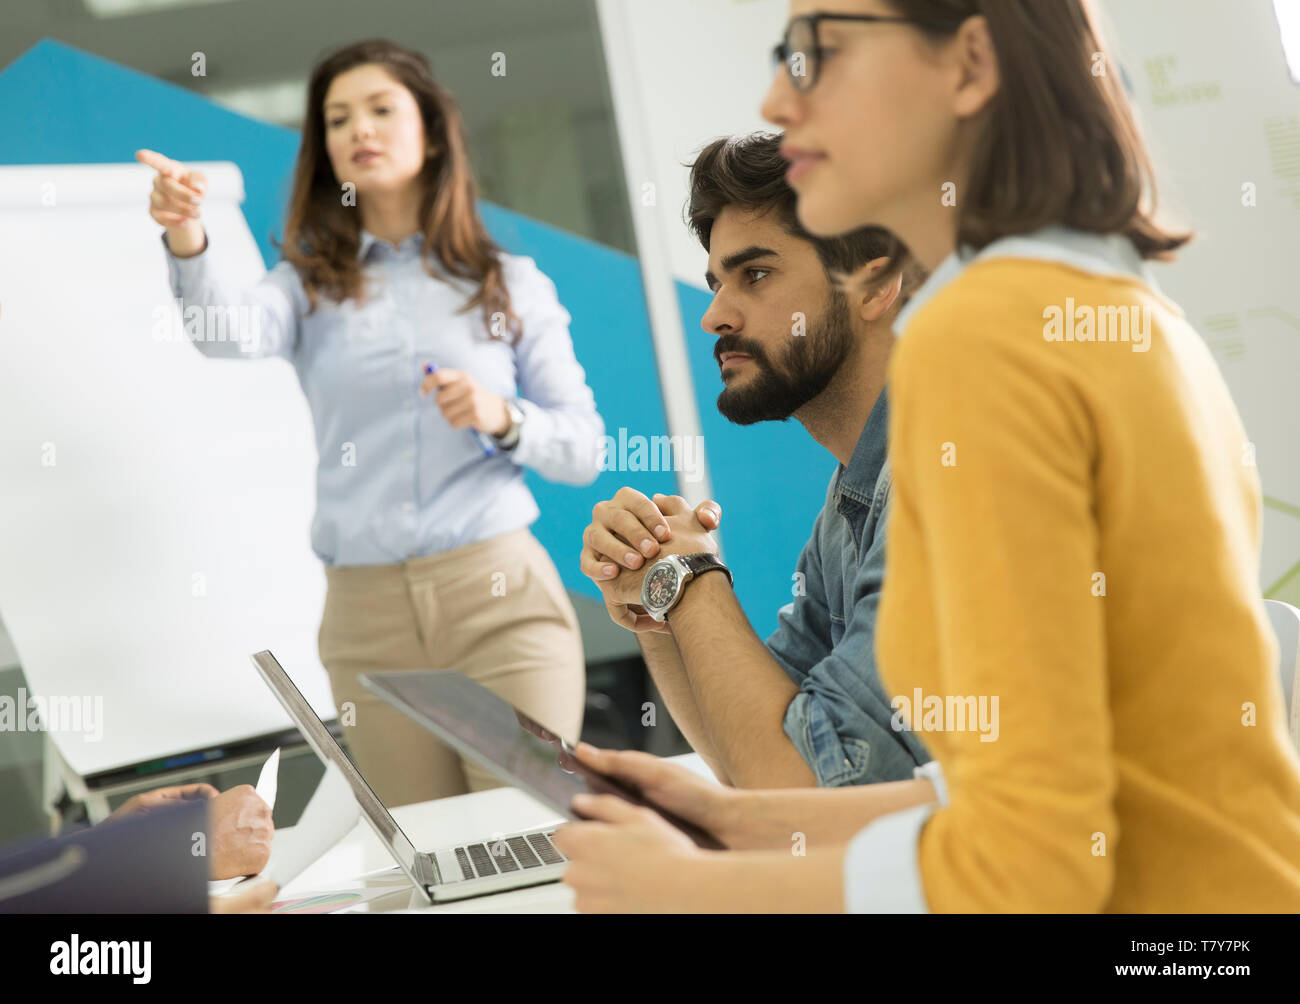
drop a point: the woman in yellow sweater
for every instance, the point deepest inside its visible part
(1071, 612)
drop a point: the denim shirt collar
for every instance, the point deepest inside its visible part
(855, 485)
(1099, 254)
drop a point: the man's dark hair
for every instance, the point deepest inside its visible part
(749, 172)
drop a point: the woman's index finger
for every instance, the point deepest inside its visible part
(174, 169)
(154, 159)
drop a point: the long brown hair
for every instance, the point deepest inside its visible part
(1060, 144)
(322, 236)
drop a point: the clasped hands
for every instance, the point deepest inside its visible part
(629, 533)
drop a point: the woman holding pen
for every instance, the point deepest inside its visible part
(437, 368)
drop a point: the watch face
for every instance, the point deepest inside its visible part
(660, 586)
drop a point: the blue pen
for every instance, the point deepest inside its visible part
(484, 441)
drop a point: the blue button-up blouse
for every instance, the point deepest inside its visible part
(394, 480)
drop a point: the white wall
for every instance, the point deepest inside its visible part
(1220, 112)
(701, 68)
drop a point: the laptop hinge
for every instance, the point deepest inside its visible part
(426, 867)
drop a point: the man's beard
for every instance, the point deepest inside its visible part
(809, 364)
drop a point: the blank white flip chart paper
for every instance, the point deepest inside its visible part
(155, 505)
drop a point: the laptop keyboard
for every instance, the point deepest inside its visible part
(509, 855)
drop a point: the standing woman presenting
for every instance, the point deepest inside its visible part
(437, 367)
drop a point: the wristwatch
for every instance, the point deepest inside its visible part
(511, 436)
(663, 584)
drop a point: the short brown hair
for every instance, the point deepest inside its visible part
(1061, 144)
(749, 172)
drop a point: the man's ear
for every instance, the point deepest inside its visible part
(873, 299)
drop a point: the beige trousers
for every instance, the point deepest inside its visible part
(494, 610)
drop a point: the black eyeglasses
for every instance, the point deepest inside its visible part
(800, 52)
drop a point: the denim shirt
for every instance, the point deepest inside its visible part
(394, 480)
(825, 639)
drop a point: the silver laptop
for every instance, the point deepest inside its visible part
(474, 869)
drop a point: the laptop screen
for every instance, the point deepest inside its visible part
(318, 736)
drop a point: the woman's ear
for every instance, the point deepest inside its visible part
(977, 60)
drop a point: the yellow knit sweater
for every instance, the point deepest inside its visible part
(1075, 532)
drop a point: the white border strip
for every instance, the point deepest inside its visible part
(652, 246)
(34, 186)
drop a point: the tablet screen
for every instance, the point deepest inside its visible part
(518, 749)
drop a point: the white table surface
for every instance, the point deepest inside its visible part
(360, 858)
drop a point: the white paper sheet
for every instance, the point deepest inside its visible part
(329, 817)
(268, 781)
